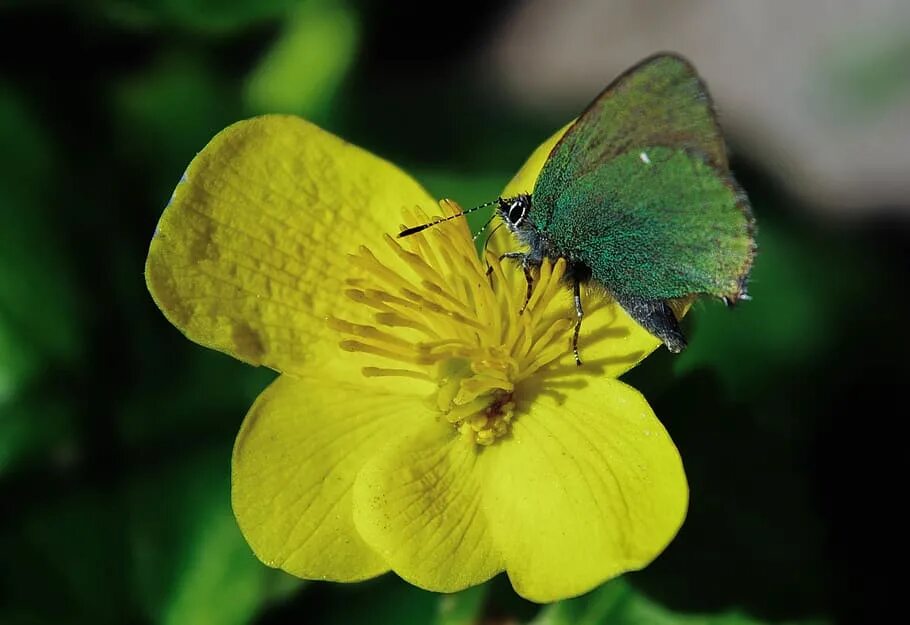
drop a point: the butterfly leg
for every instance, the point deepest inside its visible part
(530, 280)
(510, 255)
(529, 277)
(579, 314)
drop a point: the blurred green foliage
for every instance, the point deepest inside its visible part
(303, 70)
(618, 603)
(116, 432)
(865, 75)
(39, 312)
(209, 575)
(206, 17)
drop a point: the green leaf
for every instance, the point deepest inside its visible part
(596, 607)
(35, 430)
(387, 599)
(64, 561)
(39, 308)
(304, 69)
(166, 403)
(206, 16)
(619, 603)
(192, 565)
(165, 112)
(462, 608)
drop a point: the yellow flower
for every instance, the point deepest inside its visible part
(420, 424)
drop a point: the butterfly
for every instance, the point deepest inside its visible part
(638, 197)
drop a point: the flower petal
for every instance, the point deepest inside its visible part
(611, 342)
(250, 255)
(526, 178)
(586, 488)
(295, 459)
(418, 504)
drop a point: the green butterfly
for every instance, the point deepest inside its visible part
(638, 198)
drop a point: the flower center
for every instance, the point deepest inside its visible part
(439, 314)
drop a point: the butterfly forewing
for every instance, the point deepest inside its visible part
(638, 190)
(659, 102)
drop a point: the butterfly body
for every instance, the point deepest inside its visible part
(637, 197)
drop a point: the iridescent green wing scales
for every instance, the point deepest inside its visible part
(657, 223)
(659, 102)
(639, 190)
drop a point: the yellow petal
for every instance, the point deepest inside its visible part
(588, 486)
(418, 505)
(611, 342)
(250, 256)
(524, 180)
(295, 459)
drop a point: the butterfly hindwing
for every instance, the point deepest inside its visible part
(656, 223)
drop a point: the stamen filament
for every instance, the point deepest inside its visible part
(474, 343)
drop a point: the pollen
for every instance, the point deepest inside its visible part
(442, 314)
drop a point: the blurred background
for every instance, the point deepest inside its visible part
(116, 432)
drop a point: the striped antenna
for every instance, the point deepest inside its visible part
(484, 227)
(415, 229)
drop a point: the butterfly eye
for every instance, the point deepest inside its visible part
(517, 211)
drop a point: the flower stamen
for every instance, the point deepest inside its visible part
(438, 315)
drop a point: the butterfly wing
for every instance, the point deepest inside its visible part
(639, 190)
(657, 223)
(659, 102)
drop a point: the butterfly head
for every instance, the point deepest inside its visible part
(515, 211)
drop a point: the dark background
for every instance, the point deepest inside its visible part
(115, 432)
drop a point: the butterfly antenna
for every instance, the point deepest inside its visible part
(483, 252)
(415, 229)
(484, 227)
(490, 237)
